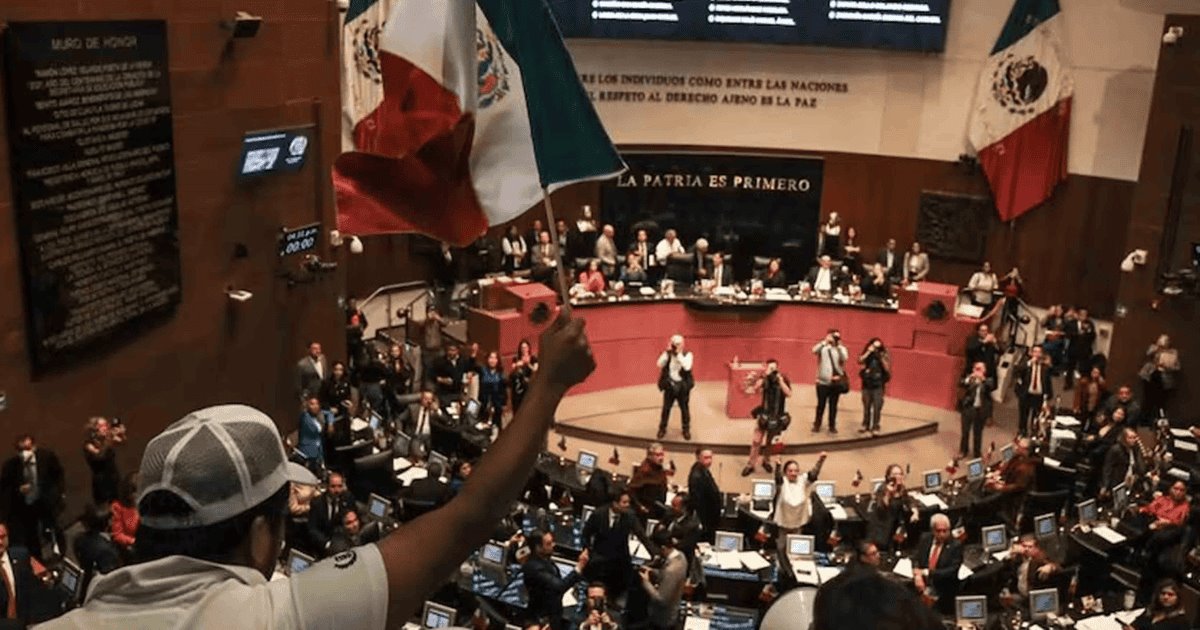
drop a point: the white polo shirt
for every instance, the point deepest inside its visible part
(348, 590)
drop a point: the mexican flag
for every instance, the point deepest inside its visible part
(362, 72)
(1022, 117)
(482, 109)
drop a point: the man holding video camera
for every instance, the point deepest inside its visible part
(771, 416)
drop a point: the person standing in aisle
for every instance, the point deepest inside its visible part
(676, 382)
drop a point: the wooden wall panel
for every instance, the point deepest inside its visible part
(211, 351)
(1176, 103)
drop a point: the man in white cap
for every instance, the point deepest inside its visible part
(676, 382)
(213, 506)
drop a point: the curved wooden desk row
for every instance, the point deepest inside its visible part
(627, 338)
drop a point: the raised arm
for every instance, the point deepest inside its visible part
(419, 553)
(815, 473)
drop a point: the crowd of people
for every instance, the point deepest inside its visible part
(426, 448)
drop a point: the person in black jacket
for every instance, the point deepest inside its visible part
(975, 407)
(327, 511)
(875, 373)
(24, 583)
(31, 493)
(353, 534)
(97, 554)
(430, 489)
(684, 526)
(936, 561)
(606, 538)
(1033, 387)
(706, 497)
(544, 584)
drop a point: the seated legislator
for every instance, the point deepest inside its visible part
(824, 278)
(592, 279)
(353, 534)
(1164, 518)
(935, 563)
(327, 511)
(719, 271)
(430, 490)
(633, 271)
(1029, 567)
(773, 276)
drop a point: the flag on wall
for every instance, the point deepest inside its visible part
(481, 110)
(1022, 117)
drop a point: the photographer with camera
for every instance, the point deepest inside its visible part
(676, 382)
(771, 417)
(831, 377)
(875, 373)
(99, 449)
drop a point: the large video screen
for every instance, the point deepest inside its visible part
(900, 25)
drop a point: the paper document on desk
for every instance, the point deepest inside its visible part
(753, 561)
(1109, 534)
(828, 573)
(1127, 616)
(964, 572)
(412, 474)
(1051, 462)
(1066, 422)
(929, 500)
(903, 568)
(805, 572)
(696, 623)
(1099, 622)
(1183, 433)
(638, 550)
(400, 464)
(1185, 446)
(727, 560)
(837, 512)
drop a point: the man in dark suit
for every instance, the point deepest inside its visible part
(327, 511)
(705, 495)
(1033, 388)
(19, 581)
(975, 407)
(982, 346)
(430, 489)
(31, 494)
(1081, 342)
(1123, 463)
(684, 525)
(1029, 567)
(353, 533)
(447, 375)
(544, 584)
(936, 560)
(824, 277)
(311, 371)
(606, 538)
(720, 272)
(891, 261)
(420, 417)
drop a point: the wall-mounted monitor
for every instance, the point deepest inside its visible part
(919, 26)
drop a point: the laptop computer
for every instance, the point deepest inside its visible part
(435, 615)
(975, 470)
(994, 538)
(826, 491)
(970, 610)
(1043, 603)
(762, 494)
(1045, 526)
(378, 507)
(932, 481)
(1088, 512)
(298, 561)
(727, 541)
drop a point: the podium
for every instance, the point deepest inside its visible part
(739, 404)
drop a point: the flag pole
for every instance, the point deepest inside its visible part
(561, 273)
